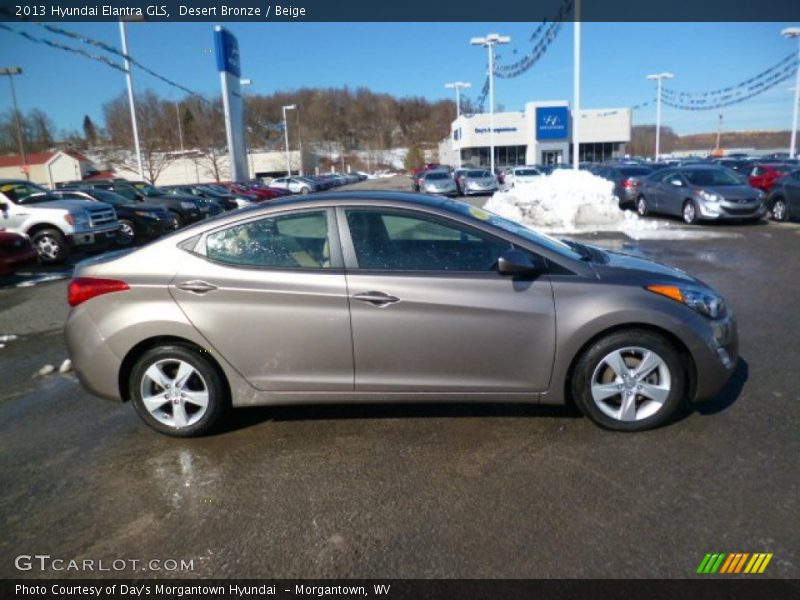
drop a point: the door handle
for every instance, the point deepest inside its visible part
(377, 298)
(197, 287)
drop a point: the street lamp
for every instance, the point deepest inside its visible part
(11, 71)
(458, 86)
(286, 137)
(794, 32)
(489, 42)
(245, 83)
(129, 78)
(659, 77)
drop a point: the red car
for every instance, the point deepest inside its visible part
(261, 192)
(16, 250)
(763, 176)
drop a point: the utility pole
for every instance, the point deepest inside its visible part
(129, 78)
(659, 77)
(489, 42)
(10, 72)
(458, 86)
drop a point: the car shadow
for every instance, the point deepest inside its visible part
(243, 418)
(728, 394)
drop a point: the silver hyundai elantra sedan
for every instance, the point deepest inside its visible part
(390, 297)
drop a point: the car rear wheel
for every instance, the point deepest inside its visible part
(641, 206)
(51, 245)
(177, 219)
(779, 210)
(126, 235)
(304, 190)
(689, 213)
(630, 381)
(177, 391)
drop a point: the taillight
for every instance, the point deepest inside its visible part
(629, 183)
(82, 289)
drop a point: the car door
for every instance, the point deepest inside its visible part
(269, 295)
(670, 194)
(430, 313)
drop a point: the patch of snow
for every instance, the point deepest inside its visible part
(45, 370)
(7, 338)
(66, 366)
(569, 202)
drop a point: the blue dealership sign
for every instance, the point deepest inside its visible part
(552, 123)
(227, 51)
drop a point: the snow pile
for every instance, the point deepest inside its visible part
(567, 201)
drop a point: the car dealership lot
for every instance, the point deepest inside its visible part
(417, 491)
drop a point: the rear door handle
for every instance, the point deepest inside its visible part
(197, 287)
(377, 298)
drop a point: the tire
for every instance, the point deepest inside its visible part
(126, 236)
(178, 219)
(779, 211)
(641, 207)
(51, 245)
(689, 213)
(186, 379)
(600, 392)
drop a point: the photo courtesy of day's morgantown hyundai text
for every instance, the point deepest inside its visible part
(391, 297)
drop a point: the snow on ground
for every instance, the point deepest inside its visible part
(568, 201)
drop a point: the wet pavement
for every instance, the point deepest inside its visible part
(417, 491)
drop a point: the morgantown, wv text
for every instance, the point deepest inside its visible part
(159, 590)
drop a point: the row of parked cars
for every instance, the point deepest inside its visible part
(46, 225)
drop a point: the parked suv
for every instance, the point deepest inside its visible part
(54, 225)
(185, 209)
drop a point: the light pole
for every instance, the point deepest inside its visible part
(245, 83)
(10, 72)
(659, 77)
(299, 140)
(794, 32)
(458, 86)
(489, 42)
(286, 138)
(129, 78)
(576, 90)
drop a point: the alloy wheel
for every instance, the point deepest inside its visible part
(631, 384)
(174, 393)
(126, 234)
(779, 210)
(48, 247)
(689, 213)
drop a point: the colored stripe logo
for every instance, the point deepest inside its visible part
(734, 563)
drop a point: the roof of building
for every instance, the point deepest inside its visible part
(38, 158)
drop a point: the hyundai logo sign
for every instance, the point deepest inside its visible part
(552, 123)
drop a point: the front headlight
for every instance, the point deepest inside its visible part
(704, 301)
(709, 196)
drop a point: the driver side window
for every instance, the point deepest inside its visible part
(390, 240)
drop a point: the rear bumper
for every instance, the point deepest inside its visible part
(10, 262)
(95, 365)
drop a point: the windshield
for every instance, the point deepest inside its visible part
(149, 190)
(109, 197)
(478, 174)
(17, 190)
(711, 177)
(437, 176)
(526, 172)
(514, 227)
(38, 198)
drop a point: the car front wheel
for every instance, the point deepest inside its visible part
(689, 213)
(51, 245)
(177, 391)
(126, 235)
(629, 381)
(641, 206)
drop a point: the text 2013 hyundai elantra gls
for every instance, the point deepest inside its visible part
(390, 297)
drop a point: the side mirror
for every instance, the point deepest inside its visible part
(519, 264)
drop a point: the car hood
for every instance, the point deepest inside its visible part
(620, 264)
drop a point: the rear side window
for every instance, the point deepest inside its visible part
(404, 241)
(297, 241)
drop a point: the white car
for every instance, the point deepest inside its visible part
(54, 225)
(296, 185)
(521, 175)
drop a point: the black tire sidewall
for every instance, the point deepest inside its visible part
(133, 229)
(785, 210)
(642, 200)
(217, 400)
(584, 369)
(683, 212)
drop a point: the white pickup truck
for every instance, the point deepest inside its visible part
(54, 226)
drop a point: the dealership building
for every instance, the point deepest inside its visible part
(541, 134)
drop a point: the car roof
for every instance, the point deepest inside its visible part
(420, 200)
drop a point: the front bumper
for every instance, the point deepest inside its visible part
(731, 212)
(87, 237)
(715, 354)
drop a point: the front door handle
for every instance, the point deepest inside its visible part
(377, 298)
(197, 287)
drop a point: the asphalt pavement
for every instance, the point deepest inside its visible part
(416, 491)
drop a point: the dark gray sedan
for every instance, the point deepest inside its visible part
(700, 193)
(784, 198)
(389, 297)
